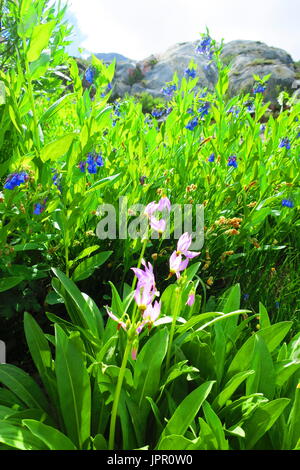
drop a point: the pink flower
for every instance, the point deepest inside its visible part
(158, 225)
(146, 277)
(191, 299)
(151, 208)
(144, 296)
(177, 265)
(183, 245)
(134, 353)
(164, 203)
(152, 312)
(116, 319)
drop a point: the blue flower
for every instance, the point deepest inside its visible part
(99, 160)
(157, 113)
(211, 158)
(192, 124)
(287, 203)
(298, 135)
(89, 75)
(168, 111)
(262, 128)
(190, 73)
(234, 110)
(56, 178)
(169, 90)
(15, 179)
(250, 107)
(246, 297)
(232, 161)
(204, 47)
(285, 142)
(277, 304)
(39, 208)
(259, 89)
(204, 108)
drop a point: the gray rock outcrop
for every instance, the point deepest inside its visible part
(244, 57)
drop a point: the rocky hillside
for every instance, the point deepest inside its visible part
(245, 58)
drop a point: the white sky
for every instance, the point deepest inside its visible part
(139, 28)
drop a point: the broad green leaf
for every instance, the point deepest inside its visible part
(7, 283)
(55, 107)
(262, 420)
(174, 442)
(86, 252)
(41, 354)
(84, 316)
(284, 370)
(73, 386)
(272, 335)
(148, 365)
(23, 386)
(86, 268)
(187, 410)
(229, 388)
(57, 148)
(2, 93)
(39, 40)
(103, 182)
(215, 423)
(53, 438)
(263, 380)
(19, 438)
(294, 421)
(264, 317)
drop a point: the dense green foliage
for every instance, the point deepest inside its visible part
(220, 374)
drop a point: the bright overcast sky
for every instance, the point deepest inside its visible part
(139, 28)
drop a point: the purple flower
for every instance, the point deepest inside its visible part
(116, 319)
(191, 299)
(164, 203)
(152, 312)
(287, 203)
(259, 89)
(177, 264)
(211, 158)
(183, 245)
(232, 161)
(192, 124)
(285, 142)
(144, 295)
(150, 208)
(190, 73)
(15, 179)
(146, 277)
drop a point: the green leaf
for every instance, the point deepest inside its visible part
(293, 424)
(41, 354)
(174, 442)
(148, 365)
(73, 386)
(215, 423)
(264, 317)
(19, 438)
(102, 182)
(84, 315)
(57, 148)
(186, 411)
(22, 385)
(272, 335)
(262, 419)
(53, 438)
(229, 389)
(263, 381)
(86, 252)
(39, 40)
(7, 283)
(55, 107)
(88, 266)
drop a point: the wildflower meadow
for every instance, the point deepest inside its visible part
(149, 268)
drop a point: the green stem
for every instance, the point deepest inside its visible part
(114, 412)
(67, 260)
(175, 315)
